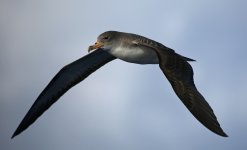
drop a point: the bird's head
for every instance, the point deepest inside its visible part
(104, 41)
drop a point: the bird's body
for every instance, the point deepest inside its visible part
(134, 49)
(135, 55)
(128, 49)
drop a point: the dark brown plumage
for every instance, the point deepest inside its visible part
(66, 78)
(135, 49)
(180, 74)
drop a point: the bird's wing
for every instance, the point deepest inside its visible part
(66, 78)
(180, 74)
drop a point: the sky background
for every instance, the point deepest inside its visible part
(122, 106)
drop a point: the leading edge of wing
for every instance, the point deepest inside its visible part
(180, 74)
(66, 78)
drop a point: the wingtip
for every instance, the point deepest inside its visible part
(220, 132)
(223, 134)
(15, 134)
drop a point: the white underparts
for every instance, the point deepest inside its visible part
(135, 55)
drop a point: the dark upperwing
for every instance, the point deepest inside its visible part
(66, 78)
(180, 74)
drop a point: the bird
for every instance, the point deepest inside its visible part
(131, 48)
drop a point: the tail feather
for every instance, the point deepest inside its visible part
(186, 58)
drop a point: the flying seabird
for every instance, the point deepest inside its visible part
(134, 49)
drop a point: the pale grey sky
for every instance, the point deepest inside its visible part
(122, 106)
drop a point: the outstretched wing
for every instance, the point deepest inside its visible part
(66, 78)
(180, 74)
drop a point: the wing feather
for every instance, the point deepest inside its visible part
(66, 78)
(180, 75)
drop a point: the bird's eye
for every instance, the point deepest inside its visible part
(106, 38)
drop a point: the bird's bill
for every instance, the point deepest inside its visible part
(95, 46)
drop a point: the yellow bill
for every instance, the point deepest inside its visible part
(95, 46)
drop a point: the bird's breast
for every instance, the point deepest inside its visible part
(135, 55)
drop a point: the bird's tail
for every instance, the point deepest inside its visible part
(186, 58)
